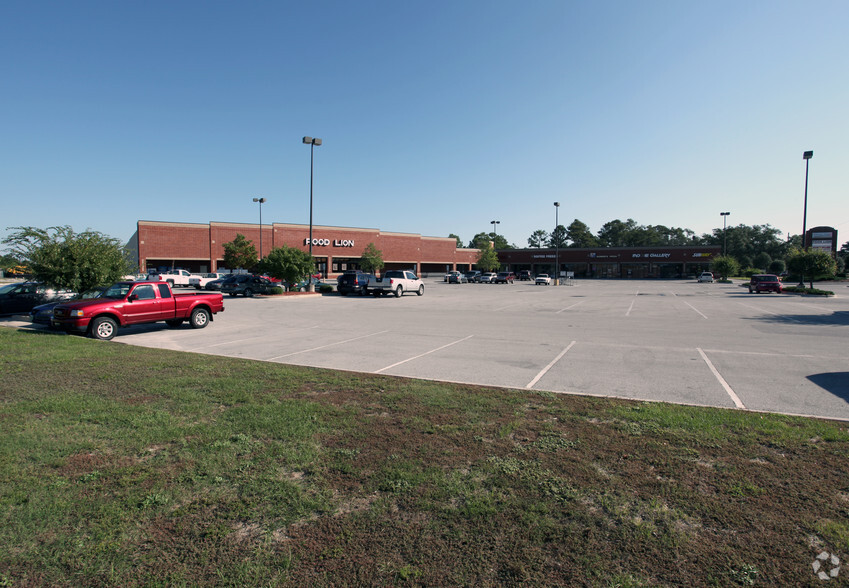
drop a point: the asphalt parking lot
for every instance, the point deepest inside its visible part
(674, 341)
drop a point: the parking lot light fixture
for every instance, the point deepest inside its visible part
(807, 155)
(260, 200)
(556, 245)
(494, 227)
(312, 142)
(724, 215)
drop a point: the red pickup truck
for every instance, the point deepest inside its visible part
(135, 303)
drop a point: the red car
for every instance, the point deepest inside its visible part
(764, 283)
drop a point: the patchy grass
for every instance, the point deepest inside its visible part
(130, 466)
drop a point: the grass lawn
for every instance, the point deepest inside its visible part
(126, 466)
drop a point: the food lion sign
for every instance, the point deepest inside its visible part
(327, 242)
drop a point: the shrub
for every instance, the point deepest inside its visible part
(325, 288)
(276, 290)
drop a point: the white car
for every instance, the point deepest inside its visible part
(706, 277)
(543, 279)
(200, 282)
(488, 278)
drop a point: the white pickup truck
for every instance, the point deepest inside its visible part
(178, 277)
(395, 282)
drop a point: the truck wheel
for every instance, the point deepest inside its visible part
(398, 291)
(420, 291)
(199, 318)
(103, 328)
(174, 323)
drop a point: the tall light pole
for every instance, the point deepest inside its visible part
(807, 155)
(556, 245)
(495, 228)
(260, 200)
(724, 232)
(312, 142)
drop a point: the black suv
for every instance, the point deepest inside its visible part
(353, 283)
(523, 275)
(246, 285)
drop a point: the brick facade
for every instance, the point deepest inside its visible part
(200, 247)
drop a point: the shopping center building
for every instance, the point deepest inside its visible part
(200, 248)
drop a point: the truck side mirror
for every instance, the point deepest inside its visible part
(132, 297)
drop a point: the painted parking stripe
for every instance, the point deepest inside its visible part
(326, 346)
(421, 355)
(568, 307)
(549, 366)
(696, 309)
(728, 390)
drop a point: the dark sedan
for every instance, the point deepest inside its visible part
(21, 297)
(246, 285)
(43, 313)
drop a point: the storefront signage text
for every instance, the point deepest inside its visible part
(326, 242)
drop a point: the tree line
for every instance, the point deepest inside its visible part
(753, 247)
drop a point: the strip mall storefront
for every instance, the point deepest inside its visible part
(200, 247)
(614, 262)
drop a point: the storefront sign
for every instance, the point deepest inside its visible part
(651, 255)
(326, 242)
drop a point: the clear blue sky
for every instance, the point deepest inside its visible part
(437, 117)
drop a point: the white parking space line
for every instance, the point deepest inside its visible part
(421, 355)
(243, 340)
(549, 366)
(573, 306)
(325, 346)
(696, 309)
(630, 308)
(721, 380)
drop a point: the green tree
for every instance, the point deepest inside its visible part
(459, 241)
(745, 242)
(371, 261)
(488, 259)
(762, 260)
(480, 240)
(812, 264)
(777, 267)
(725, 266)
(61, 258)
(287, 264)
(616, 233)
(538, 238)
(580, 235)
(557, 239)
(240, 253)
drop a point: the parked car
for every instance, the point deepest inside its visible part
(487, 278)
(706, 277)
(764, 283)
(353, 283)
(447, 277)
(473, 276)
(504, 278)
(543, 279)
(200, 282)
(523, 275)
(21, 297)
(247, 285)
(458, 278)
(43, 313)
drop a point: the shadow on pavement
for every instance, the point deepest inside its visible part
(835, 382)
(839, 317)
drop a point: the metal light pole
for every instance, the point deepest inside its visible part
(312, 142)
(260, 200)
(807, 155)
(556, 245)
(724, 233)
(494, 228)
